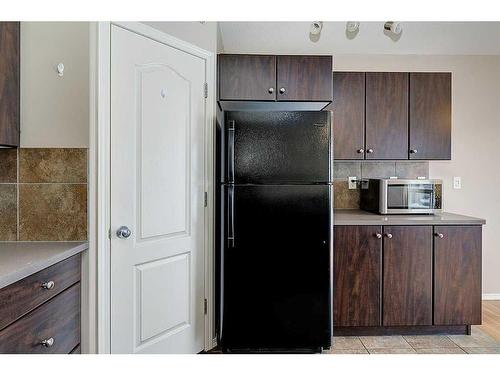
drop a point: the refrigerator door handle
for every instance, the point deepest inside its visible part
(230, 149)
(230, 221)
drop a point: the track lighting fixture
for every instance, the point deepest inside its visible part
(393, 27)
(316, 27)
(352, 26)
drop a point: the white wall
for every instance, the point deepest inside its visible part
(54, 110)
(203, 35)
(417, 38)
(475, 139)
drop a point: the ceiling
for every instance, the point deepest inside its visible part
(423, 38)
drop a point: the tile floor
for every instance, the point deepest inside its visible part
(477, 343)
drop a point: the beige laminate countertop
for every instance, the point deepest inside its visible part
(21, 259)
(360, 217)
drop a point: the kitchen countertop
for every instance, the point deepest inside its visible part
(21, 259)
(360, 217)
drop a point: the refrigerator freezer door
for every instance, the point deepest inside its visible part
(277, 147)
(276, 267)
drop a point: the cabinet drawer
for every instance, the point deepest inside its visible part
(24, 295)
(57, 320)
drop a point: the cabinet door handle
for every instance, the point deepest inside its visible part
(282, 90)
(378, 235)
(413, 151)
(271, 90)
(440, 235)
(370, 151)
(388, 235)
(360, 151)
(48, 285)
(47, 342)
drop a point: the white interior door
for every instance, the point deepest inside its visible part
(157, 155)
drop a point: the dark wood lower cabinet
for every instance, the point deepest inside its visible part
(415, 280)
(55, 323)
(40, 314)
(457, 275)
(407, 285)
(357, 266)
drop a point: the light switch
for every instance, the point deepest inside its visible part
(352, 182)
(457, 182)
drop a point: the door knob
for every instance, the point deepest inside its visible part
(440, 235)
(378, 235)
(413, 151)
(123, 232)
(388, 235)
(271, 90)
(360, 151)
(282, 90)
(47, 342)
(370, 150)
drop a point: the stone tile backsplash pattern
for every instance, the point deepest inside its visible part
(349, 198)
(43, 194)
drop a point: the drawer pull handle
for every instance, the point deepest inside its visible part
(47, 342)
(440, 235)
(48, 285)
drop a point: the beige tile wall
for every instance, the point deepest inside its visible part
(43, 194)
(342, 170)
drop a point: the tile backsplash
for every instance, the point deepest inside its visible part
(43, 194)
(349, 198)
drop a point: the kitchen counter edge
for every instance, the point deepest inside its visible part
(360, 217)
(22, 259)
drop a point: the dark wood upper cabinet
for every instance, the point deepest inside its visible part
(9, 83)
(304, 78)
(407, 282)
(348, 108)
(275, 78)
(386, 115)
(247, 77)
(430, 116)
(357, 276)
(457, 275)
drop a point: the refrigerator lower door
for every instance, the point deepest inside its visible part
(276, 260)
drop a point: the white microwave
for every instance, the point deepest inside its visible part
(401, 196)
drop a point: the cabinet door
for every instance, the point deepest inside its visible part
(386, 115)
(348, 115)
(304, 78)
(430, 116)
(247, 77)
(457, 275)
(9, 83)
(407, 286)
(357, 271)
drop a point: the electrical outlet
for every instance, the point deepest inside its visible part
(457, 182)
(352, 182)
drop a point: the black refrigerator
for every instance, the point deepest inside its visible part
(275, 231)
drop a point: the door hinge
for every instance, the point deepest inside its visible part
(109, 233)
(205, 306)
(205, 90)
(205, 199)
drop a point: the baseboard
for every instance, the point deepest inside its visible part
(401, 330)
(491, 296)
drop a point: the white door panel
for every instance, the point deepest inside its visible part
(157, 117)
